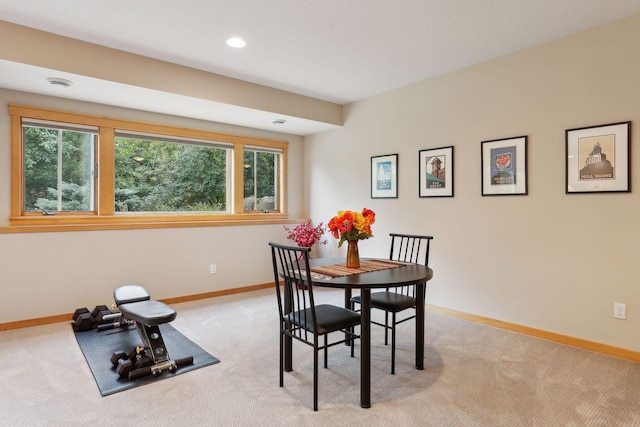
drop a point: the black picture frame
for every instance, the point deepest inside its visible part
(384, 177)
(598, 159)
(435, 172)
(504, 166)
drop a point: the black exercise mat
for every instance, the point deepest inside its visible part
(98, 347)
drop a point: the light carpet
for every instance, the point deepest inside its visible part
(474, 375)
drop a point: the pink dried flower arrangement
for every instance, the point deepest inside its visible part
(305, 234)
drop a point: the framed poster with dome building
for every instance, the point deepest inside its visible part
(598, 159)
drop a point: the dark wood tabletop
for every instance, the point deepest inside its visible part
(411, 273)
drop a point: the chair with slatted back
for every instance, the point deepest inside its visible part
(300, 318)
(404, 248)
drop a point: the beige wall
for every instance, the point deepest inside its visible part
(45, 274)
(548, 260)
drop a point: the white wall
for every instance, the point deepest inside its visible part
(548, 260)
(45, 274)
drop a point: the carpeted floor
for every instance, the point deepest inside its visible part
(474, 376)
(98, 346)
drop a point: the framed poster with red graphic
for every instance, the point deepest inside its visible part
(504, 166)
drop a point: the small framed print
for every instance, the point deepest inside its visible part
(435, 171)
(384, 177)
(598, 159)
(504, 167)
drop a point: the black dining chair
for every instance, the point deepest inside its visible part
(300, 318)
(404, 248)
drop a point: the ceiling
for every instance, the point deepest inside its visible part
(339, 51)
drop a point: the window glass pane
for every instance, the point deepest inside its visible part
(160, 176)
(58, 168)
(260, 180)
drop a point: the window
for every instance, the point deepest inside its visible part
(261, 179)
(78, 170)
(58, 167)
(163, 175)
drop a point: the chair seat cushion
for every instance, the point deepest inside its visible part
(330, 318)
(389, 301)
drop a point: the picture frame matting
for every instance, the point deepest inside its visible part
(384, 177)
(435, 172)
(597, 159)
(504, 166)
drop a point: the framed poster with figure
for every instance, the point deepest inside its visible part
(598, 159)
(504, 166)
(435, 172)
(384, 177)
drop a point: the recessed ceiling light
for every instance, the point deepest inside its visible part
(279, 121)
(57, 81)
(236, 42)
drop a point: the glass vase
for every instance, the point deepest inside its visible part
(353, 258)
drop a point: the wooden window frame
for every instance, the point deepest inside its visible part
(105, 216)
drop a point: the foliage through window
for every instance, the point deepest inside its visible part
(58, 168)
(160, 176)
(260, 179)
(87, 170)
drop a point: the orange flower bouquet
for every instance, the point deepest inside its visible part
(350, 225)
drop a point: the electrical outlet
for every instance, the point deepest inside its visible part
(619, 310)
(212, 269)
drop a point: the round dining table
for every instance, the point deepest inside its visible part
(417, 274)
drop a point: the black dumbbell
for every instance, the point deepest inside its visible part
(115, 357)
(79, 311)
(100, 312)
(98, 308)
(82, 320)
(106, 316)
(111, 325)
(124, 367)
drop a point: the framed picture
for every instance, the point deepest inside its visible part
(598, 159)
(504, 167)
(435, 172)
(384, 177)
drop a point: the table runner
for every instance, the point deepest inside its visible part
(341, 269)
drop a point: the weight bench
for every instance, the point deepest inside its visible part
(137, 307)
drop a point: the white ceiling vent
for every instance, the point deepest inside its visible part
(57, 81)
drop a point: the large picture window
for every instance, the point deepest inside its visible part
(168, 175)
(78, 171)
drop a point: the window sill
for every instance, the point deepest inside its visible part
(91, 223)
